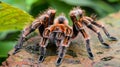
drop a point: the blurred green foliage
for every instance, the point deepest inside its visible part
(13, 18)
(34, 7)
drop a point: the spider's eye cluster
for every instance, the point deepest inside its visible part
(61, 20)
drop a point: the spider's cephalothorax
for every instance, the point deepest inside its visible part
(79, 20)
(62, 32)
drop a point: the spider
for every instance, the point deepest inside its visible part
(62, 33)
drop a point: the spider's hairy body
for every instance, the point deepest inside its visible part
(62, 33)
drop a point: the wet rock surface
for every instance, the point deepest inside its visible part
(76, 55)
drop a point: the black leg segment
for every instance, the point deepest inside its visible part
(42, 54)
(89, 49)
(108, 35)
(61, 54)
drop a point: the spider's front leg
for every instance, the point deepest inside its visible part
(77, 26)
(51, 13)
(63, 48)
(43, 44)
(47, 22)
(59, 37)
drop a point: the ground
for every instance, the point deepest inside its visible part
(76, 55)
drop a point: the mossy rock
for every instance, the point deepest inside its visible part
(77, 55)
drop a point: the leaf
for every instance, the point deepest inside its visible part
(98, 5)
(11, 35)
(4, 48)
(112, 1)
(38, 7)
(18, 3)
(12, 18)
(29, 3)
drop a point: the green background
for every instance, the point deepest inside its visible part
(9, 36)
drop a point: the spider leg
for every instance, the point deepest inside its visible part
(90, 26)
(58, 38)
(63, 49)
(43, 53)
(22, 39)
(75, 31)
(41, 28)
(79, 27)
(105, 31)
(75, 28)
(28, 30)
(87, 40)
(65, 42)
(43, 44)
(52, 16)
(48, 21)
(61, 54)
(58, 41)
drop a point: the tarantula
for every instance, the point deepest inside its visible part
(62, 33)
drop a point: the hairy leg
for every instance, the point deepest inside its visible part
(59, 37)
(91, 27)
(22, 39)
(105, 31)
(87, 40)
(63, 49)
(78, 26)
(43, 44)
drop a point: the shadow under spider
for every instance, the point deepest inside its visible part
(52, 50)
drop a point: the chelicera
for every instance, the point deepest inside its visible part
(62, 33)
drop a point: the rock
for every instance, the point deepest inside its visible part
(76, 55)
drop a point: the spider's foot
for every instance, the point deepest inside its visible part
(106, 45)
(41, 59)
(113, 38)
(91, 56)
(59, 61)
(16, 50)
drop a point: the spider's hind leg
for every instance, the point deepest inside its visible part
(90, 26)
(102, 41)
(105, 31)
